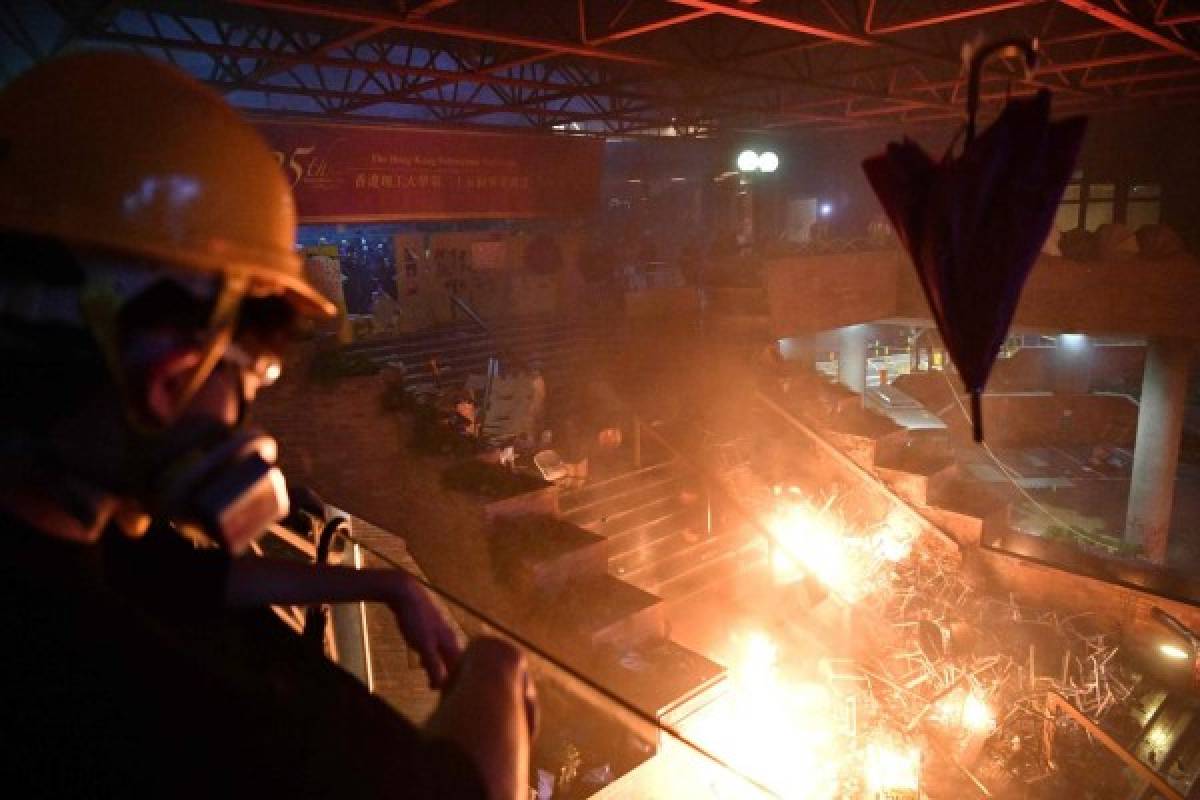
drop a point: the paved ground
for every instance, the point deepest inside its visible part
(1080, 490)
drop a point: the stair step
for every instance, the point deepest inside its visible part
(614, 485)
(557, 367)
(684, 557)
(752, 586)
(603, 609)
(623, 543)
(405, 339)
(463, 345)
(718, 570)
(501, 329)
(546, 550)
(634, 497)
(625, 522)
(649, 543)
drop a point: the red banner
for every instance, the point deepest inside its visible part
(358, 173)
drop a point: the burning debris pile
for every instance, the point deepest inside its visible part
(938, 674)
(973, 671)
(794, 736)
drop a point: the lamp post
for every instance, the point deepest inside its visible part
(751, 163)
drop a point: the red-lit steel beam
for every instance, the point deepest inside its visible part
(1124, 23)
(617, 36)
(268, 69)
(303, 58)
(421, 10)
(649, 27)
(939, 19)
(559, 91)
(797, 115)
(1143, 77)
(400, 22)
(551, 48)
(295, 59)
(1103, 61)
(1047, 69)
(1080, 36)
(1170, 97)
(548, 49)
(785, 23)
(882, 110)
(883, 118)
(431, 102)
(450, 78)
(1161, 17)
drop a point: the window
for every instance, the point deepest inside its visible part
(1142, 205)
(1067, 216)
(1100, 207)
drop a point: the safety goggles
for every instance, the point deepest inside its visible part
(132, 311)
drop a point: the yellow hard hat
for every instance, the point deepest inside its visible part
(124, 155)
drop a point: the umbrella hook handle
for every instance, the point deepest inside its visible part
(1013, 46)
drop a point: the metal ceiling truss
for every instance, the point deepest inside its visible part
(612, 67)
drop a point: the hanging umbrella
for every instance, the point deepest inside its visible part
(974, 224)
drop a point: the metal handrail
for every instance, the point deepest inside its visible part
(712, 481)
(1056, 702)
(471, 313)
(869, 480)
(316, 617)
(310, 622)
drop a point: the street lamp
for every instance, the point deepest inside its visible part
(751, 161)
(747, 161)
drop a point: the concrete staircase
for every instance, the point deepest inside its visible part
(655, 523)
(559, 345)
(583, 615)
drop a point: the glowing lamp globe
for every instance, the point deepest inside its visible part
(747, 161)
(768, 162)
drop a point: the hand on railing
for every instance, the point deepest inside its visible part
(423, 626)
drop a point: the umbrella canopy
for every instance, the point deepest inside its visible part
(974, 224)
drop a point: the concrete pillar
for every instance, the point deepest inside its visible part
(852, 357)
(1156, 452)
(1073, 364)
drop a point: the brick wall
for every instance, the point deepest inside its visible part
(339, 441)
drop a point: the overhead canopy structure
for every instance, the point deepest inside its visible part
(626, 67)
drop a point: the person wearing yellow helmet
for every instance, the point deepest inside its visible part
(148, 286)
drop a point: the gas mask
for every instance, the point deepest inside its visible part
(208, 476)
(228, 490)
(213, 480)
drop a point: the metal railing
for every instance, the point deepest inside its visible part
(338, 631)
(1056, 702)
(558, 676)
